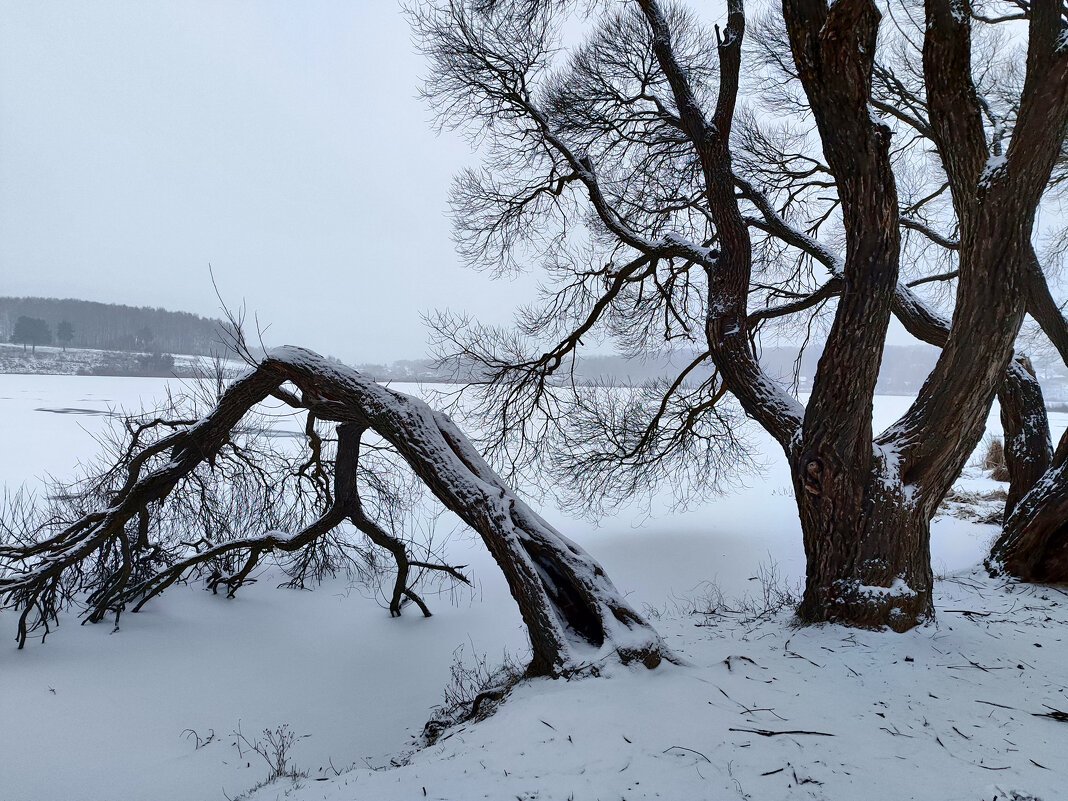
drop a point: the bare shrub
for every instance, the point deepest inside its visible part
(198, 741)
(772, 595)
(275, 748)
(473, 691)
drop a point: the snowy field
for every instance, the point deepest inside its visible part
(45, 360)
(945, 712)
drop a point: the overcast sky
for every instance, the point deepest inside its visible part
(281, 142)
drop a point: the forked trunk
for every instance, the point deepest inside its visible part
(867, 548)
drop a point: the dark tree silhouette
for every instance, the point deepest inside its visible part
(31, 331)
(65, 333)
(661, 213)
(144, 337)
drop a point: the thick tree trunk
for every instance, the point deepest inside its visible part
(874, 533)
(1028, 449)
(1023, 410)
(573, 613)
(1033, 545)
(867, 548)
(865, 502)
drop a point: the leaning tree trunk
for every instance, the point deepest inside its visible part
(574, 615)
(572, 611)
(1033, 545)
(1028, 449)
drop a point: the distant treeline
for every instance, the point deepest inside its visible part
(109, 326)
(903, 369)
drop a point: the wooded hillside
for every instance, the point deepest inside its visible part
(110, 326)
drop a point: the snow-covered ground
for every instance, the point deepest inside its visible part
(50, 360)
(945, 712)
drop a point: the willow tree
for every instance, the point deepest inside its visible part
(1035, 536)
(616, 165)
(186, 496)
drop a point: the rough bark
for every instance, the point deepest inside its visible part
(996, 212)
(995, 201)
(1023, 412)
(878, 574)
(1033, 545)
(864, 501)
(866, 523)
(1028, 448)
(866, 545)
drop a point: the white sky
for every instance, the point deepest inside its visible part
(281, 142)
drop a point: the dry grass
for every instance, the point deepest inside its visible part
(977, 507)
(994, 459)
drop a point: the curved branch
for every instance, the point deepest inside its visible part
(728, 283)
(567, 602)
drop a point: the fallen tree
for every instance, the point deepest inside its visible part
(573, 613)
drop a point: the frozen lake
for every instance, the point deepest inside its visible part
(330, 663)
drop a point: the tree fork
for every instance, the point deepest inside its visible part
(860, 576)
